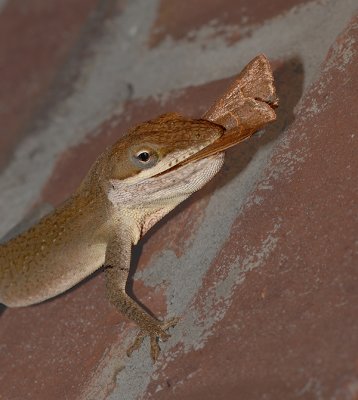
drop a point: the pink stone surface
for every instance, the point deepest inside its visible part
(36, 38)
(290, 329)
(261, 264)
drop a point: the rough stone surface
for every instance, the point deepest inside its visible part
(178, 19)
(261, 264)
(36, 41)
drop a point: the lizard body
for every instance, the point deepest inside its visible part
(39, 263)
(130, 187)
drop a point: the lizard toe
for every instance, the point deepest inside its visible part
(155, 333)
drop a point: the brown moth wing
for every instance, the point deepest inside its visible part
(249, 101)
(246, 107)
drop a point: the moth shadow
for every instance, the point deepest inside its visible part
(289, 80)
(2, 309)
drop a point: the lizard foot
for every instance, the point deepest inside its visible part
(154, 332)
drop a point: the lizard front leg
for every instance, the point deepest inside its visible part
(117, 265)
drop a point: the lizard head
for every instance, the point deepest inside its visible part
(145, 166)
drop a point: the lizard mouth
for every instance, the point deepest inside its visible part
(227, 140)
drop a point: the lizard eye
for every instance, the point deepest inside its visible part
(145, 158)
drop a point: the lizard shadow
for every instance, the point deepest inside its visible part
(289, 80)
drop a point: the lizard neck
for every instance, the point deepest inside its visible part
(142, 219)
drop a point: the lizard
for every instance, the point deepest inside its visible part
(128, 189)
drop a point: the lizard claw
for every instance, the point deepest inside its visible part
(154, 332)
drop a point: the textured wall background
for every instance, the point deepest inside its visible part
(261, 265)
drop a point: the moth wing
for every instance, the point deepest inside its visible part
(249, 101)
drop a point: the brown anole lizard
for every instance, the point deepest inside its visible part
(130, 187)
